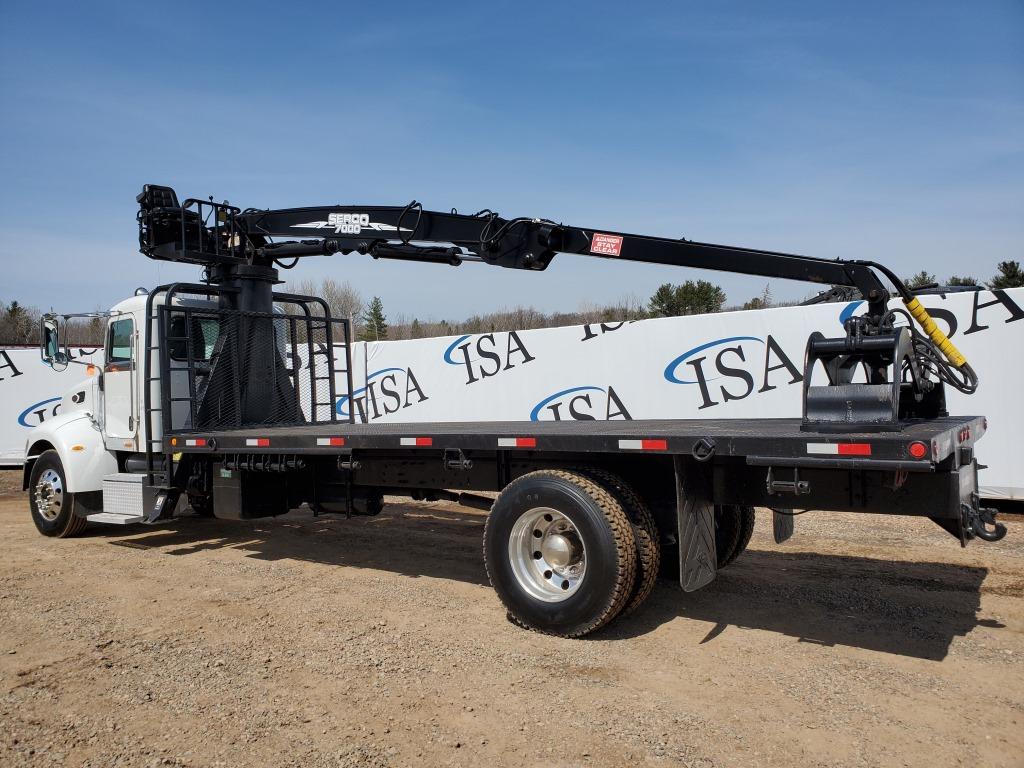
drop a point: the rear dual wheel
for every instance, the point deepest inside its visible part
(562, 553)
(645, 533)
(734, 526)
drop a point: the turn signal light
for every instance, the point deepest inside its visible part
(918, 450)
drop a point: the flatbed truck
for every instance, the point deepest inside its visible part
(224, 396)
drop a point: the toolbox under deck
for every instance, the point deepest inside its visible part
(757, 440)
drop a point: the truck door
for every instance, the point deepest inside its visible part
(119, 418)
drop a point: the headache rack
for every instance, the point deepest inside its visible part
(228, 369)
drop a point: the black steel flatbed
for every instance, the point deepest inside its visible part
(759, 441)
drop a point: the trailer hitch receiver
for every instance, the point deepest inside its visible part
(796, 486)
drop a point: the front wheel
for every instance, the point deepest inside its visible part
(560, 553)
(53, 508)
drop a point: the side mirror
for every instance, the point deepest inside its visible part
(50, 344)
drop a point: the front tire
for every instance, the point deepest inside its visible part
(560, 553)
(53, 508)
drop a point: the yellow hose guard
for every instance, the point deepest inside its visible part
(946, 347)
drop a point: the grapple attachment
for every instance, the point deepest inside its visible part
(892, 387)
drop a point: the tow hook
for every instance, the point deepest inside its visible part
(977, 518)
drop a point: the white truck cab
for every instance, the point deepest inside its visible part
(85, 454)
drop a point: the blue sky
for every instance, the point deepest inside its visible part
(884, 130)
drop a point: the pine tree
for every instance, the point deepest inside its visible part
(954, 280)
(760, 302)
(689, 298)
(920, 280)
(1010, 276)
(663, 302)
(375, 326)
(415, 330)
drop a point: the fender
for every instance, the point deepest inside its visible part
(79, 443)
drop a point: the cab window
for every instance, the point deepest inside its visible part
(119, 341)
(204, 334)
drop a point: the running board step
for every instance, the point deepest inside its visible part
(114, 518)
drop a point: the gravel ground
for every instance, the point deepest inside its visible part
(377, 642)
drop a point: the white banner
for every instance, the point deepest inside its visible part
(30, 393)
(723, 366)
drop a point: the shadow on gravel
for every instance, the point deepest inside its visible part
(411, 541)
(906, 608)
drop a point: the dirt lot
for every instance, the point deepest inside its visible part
(302, 641)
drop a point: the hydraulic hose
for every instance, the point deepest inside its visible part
(920, 314)
(939, 339)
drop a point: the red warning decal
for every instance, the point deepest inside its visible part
(606, 245)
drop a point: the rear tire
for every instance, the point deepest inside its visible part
(734, 525)
(740, 524)
(53, 508)
(749, 518)
(560, 552)
(645, 532)
(728, 522)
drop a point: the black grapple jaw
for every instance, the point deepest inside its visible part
(892, 387)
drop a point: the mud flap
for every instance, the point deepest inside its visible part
(696, 518)
(160, 504)
(782, 525)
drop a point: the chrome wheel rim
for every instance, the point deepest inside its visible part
(547, 554)
(49, 495)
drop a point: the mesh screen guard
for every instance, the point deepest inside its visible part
(224, 369)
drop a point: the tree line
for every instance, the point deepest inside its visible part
(1009, 275)
(692, 297)
(19, 324)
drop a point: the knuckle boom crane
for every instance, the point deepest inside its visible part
(905, 368)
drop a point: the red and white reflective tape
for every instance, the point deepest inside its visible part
(517, 442)
(330, 441)
(417, 442)
(643, 445)
(199, 442)
(840, 449)
(258, 442)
